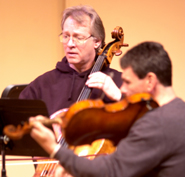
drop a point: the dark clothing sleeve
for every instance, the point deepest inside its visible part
(154, 147)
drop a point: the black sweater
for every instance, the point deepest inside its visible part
(60, 87)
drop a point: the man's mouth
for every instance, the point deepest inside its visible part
(72, 54)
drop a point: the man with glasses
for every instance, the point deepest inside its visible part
(82, 36)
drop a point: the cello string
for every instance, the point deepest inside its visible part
(49, 168)
(86, 90)
(96, 67)
(98, 64)
(52, 169)
(44, 162)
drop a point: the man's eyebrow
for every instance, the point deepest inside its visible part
(125, 80)
(75, 34)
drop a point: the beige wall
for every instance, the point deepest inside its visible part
(143, 20)
(29, 31)
(29, 43)
(29, 46)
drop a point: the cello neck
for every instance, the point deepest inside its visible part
(86, 91)
(105, 57)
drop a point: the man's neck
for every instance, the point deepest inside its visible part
(164, 95)
(79, 68)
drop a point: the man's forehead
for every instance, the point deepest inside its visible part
(84, 20)
(127, 70)
(128, 73)
(71, 24)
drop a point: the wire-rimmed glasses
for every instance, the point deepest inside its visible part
(77, 40)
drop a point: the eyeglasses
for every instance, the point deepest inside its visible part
(77, 40)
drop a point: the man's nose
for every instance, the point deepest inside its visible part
(71, 42)
(123, 89)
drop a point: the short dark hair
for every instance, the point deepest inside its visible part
(149, 57)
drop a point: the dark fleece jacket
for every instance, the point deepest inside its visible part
(60, 87)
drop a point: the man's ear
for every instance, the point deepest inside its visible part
(151, 80)
(97, 43)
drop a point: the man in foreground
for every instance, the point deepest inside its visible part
(155, 144)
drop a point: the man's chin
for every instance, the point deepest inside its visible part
(72, 60)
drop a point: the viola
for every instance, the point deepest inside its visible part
(89, 120)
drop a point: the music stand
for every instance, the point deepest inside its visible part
(15, 111)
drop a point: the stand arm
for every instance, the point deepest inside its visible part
(4, 141)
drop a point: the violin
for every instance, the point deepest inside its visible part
(89, 120)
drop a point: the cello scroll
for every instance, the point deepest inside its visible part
(113, 48)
